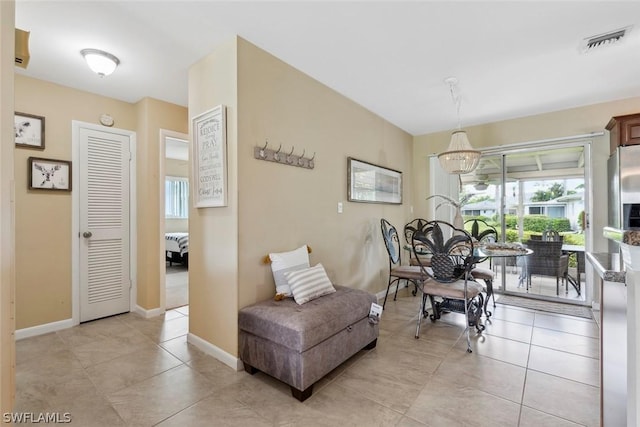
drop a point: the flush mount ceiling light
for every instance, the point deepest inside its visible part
(102, 63)
(460, 157)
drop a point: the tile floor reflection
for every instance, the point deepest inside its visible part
(528, 369)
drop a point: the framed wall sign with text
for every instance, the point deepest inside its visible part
(210, 158)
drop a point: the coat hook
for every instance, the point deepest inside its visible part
(311, 163)
(276, 155)
(262, 150)
(289, 159)
(301, 158)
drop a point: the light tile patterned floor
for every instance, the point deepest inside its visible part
(527, 369)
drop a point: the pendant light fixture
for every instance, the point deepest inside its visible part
(102, 63)
(460, 157)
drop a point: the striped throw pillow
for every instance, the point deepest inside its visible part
(283, 262)
(309, 284)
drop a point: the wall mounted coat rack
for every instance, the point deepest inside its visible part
(283, 157)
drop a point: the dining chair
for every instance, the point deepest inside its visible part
(409, 229)
(449, 275)
(483, 233)
(547, 259)
(397, 271)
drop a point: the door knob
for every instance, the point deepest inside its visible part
(87, 234)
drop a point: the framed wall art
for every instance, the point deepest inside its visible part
(210, 158)
(28, 130)
(369, 183)
(49, 174)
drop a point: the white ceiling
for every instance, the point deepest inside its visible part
(512, 59)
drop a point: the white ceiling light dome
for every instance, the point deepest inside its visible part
(102, 63)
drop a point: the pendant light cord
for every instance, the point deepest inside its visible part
(455, 97)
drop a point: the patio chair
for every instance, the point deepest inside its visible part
(552, 236)
(449, 275)
(397, 271)
(547, 259)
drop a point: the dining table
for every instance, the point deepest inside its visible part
(481, 252)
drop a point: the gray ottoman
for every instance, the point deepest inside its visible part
(299, 344)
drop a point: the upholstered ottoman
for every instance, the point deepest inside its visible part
(299, 344)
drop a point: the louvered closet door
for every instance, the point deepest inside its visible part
(104, 224)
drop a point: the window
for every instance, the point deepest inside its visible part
(555, 211)
(535, 210)
(176, 197)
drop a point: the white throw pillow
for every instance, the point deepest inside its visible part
(309, 284)
(283, 262)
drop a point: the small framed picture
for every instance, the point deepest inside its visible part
(49, 174)
(28, 130)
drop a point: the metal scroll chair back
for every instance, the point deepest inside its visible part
(391, 241)
(451, 250)
(483, 233)
(409, 230)
(397, 271)
(449, 275)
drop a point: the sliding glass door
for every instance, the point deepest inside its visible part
(534, 192)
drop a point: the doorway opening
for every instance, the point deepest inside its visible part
(174, 213)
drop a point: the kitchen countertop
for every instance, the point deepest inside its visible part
(607, 266)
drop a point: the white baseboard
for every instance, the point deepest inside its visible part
(147, 314)
(43, 329)
(392, 290)
(595, 306)
(212, 350)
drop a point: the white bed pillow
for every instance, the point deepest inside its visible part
(309, 284)
(282, 262)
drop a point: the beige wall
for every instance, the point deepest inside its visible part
(213, 232)
(290, 206)
(43, 219)
(175, 167)
(153, 115)
(576, 121)
(7, 264)
(275, 207)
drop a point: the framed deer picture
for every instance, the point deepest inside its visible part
(49, 174)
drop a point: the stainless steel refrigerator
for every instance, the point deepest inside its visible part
(623, 170)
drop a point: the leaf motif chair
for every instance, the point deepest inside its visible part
(409, 229)
(397, 271)
(487, 235)
(449, 275)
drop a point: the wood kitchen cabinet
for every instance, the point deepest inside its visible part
(623, 130)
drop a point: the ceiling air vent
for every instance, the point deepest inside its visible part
(602, 40)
